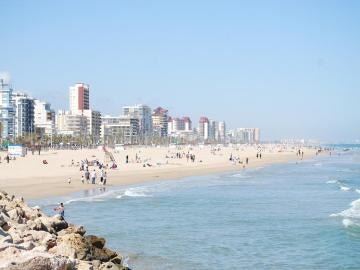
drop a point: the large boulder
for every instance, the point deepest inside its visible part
(40, 261)
(95, 241)
(71, 245)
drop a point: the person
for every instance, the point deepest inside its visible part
(93, 177)
(105, 177)
(260, 155)
(102, 177)
(60, 210)
(7, 159)
(69, 180)
(127, 159)
(247, 161)
(82, 179)
(87, 176)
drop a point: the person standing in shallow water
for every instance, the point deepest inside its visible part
(61, 210)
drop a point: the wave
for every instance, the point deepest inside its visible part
(332, 182)
(352, 212)
(134, 192)
(349, 223)
(344, 188)
(240, 175)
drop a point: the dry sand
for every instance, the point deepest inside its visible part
(30, 178)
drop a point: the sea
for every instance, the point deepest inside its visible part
(299, 215)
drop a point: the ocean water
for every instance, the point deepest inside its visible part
(303, 215)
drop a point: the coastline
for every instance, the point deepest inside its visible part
(47, 183)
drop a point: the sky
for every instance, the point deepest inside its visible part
(291, 68)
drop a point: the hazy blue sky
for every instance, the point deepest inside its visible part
(291, 68)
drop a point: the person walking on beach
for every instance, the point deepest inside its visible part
(93, 177)
(61, 210)
(82, 179)
(247, 161)
(127, 159)
(7, 159)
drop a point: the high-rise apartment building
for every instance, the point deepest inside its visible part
(204, 128)
(79, 97)
(160, 122)
(7, 110)
(24, 114)
(44, 117)
(71, 124)
(143, 113)
(120, 130)
(245, 135)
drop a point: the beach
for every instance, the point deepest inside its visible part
(28, 177)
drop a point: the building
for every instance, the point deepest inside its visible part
(204, 129)
(143, 113)
(79, 95)
(44, 117)
(93, 123)
(222, 132)
(7, 110)
(245, 135)
(71, 124)
(24, 114)
(160, 122)
(178, 125)
(120, 130)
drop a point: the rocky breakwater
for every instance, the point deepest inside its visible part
(29, 239)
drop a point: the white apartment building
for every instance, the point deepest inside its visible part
(7, 110)
(44, 117)
(24, 114)
(79, 95)
(71, 124)
(120, 130)
(143, 113)
(245, 135)
(204, 128)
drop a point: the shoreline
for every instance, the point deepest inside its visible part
(54, 184)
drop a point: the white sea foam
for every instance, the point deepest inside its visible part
(348, 223)
(318, 164)
(134, 192)
(352, 212)
(344, 188)
(357, 191)
(240, 175)
(332, 182)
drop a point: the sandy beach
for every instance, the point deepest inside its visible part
(30, 178)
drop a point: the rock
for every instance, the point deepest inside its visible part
(5, 237)
(72, 245)
(108, 265)
(4, 218)
(73, 229)
(40, 262)
(104, 254)
(95, 241)
(27, 245)
(83, 265)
